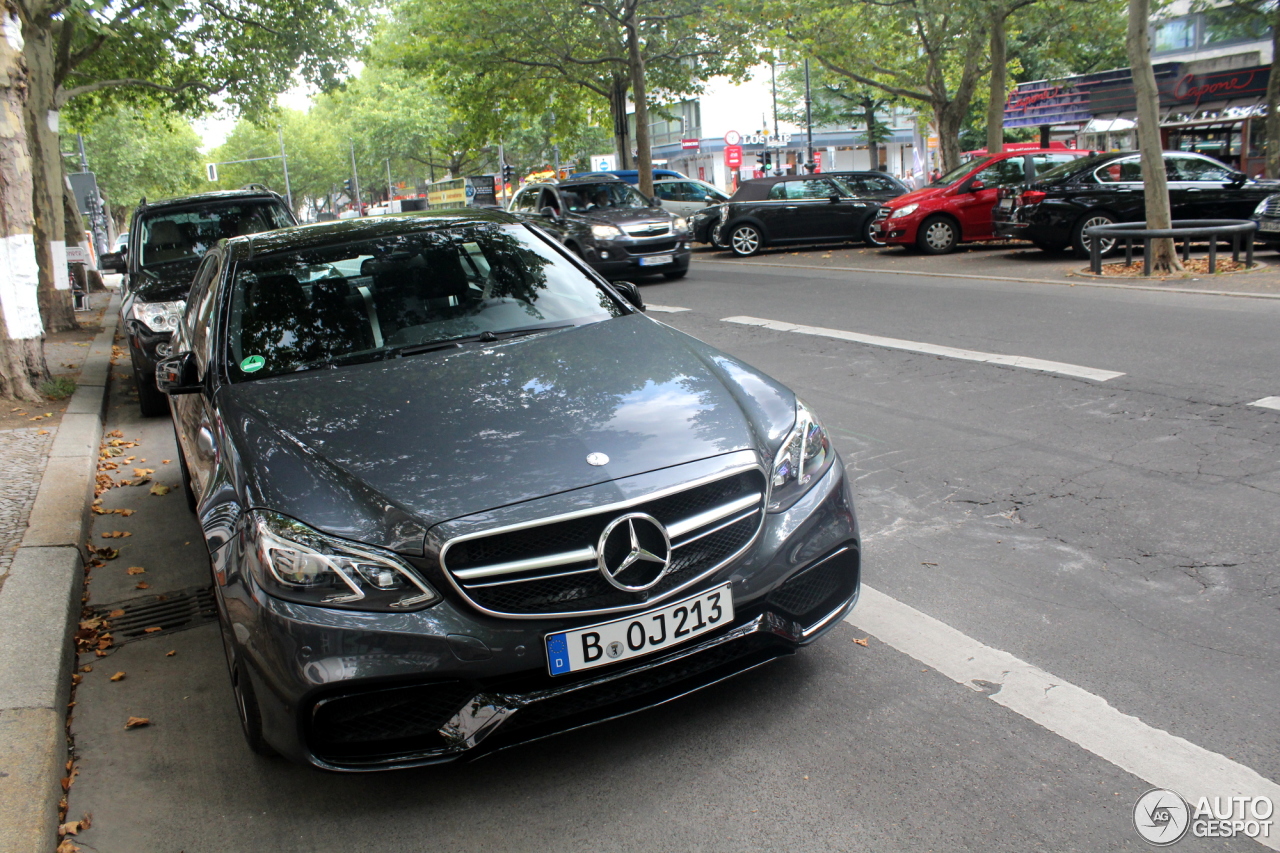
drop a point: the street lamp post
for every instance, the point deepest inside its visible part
(284, 161)
(808, 118)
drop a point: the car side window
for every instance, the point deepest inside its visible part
(777, 191)
(1120, 171)
(199, 287)
(667, 192)
(1195, 169)
(874, 184)
(809, 189)
(1009, 171)
(1045, 162)
(525, 200)
(201, 316)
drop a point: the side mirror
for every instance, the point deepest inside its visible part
(179, 374)
(551, 213)
(977, 185)
(1238, 179)
(631, 293)
(833, 198)
(112, 262)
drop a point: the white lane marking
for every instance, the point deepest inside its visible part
(934, 349)
(666, 309)
(1267, 403)
(1162, 759)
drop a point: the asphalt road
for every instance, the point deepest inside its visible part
(1120, 535)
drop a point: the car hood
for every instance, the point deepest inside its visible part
(627, 216)
(165, 282)
(916, 196)
(370, 451)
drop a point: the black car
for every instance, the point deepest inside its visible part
(166, 242)
(459, 492)
(609, 224)
(1054, 211)
(1267, 215)
(794, 209)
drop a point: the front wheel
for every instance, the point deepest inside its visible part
(151, 400)
(1080, 239)
(938, 236)
(711, 235)
(745, 240)
(869, 234)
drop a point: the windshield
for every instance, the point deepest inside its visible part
(187, 233)
(362, 301)
(960, 171)
(1079, 164)
(606, 195)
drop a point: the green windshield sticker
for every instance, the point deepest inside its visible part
(252, 363)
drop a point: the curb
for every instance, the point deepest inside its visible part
(39, 609)
(1086, 283)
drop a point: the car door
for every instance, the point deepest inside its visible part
(974, 204)
(810, 213)
(1119, 189)
(193, 413)
(674, 196)
(1211, 190)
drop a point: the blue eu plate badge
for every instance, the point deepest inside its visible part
(557, 654)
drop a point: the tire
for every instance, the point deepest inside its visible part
(938, 235)
(151, 400)
(1080, 243)
(869, 234)
(711, 236)
(675, 274)
(746, 240)
(249, 714)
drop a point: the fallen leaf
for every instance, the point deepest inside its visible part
(928, 564)
(135, 570)
(115, 614)
(97, 510)
(152, 629)
(119, 676)
(67, 847)
(143, 585)
(135, 722)
(86, 668)
(76, 678)
(861, 642)
(43, 432)
(142, 472)
(164, 461)
(159, 490)
(100, 653)
(115, 433)
(171, 654)
(71, 827)
(126, 512)
(141, 482)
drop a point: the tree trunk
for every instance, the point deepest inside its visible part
(21, 342)
(621, 134)
(873, 132)
(950, 116)
(1273, 101)
(644, 156)
(46, 171)
(1164, 258)
(995, 104)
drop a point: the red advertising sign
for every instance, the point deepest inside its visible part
(817, 161)
(689, 144)
(733, 156)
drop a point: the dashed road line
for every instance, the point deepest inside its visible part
(666, 309)
(1267, 403)
(1087, 720)
(1039, 364)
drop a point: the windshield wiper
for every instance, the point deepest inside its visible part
(485, 337)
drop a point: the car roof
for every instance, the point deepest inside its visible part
(756, 189)
(215, 195)
(318, 234)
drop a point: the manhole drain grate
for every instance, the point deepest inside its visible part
(170, 611)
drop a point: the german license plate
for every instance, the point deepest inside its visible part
(657, 260)
(1269, 226)
(1006, 204)
(641, 634)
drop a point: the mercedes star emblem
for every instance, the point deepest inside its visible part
(634, 552)
(597, 459)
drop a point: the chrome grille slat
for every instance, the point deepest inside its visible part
(1273, 206)
(711, 522)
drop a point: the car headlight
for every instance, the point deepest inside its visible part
(680, 225)
(804, 457)
(158, 316)
(905, 210)
(298, 563)
(1262, 206)
(606, 232)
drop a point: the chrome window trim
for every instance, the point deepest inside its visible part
(600, 510)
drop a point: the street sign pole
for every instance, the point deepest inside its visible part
(355, 180)
(288, 192)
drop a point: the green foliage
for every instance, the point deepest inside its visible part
(58, 388)
(140, 151)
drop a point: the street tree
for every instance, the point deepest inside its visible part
(21, 357)
(1164, 256)
(176, 52)
(836, 101)
(492, 55)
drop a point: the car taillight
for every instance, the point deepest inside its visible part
(1033, 197)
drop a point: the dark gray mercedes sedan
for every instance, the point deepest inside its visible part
(460, 493)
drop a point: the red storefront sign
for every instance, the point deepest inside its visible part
(689, 144)
(817, 161)
(733, 156)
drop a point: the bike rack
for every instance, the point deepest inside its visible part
(1184, 230)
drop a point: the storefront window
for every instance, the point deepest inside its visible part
(1229, 24)
(1177, 34)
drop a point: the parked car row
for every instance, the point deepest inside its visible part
(458, 491)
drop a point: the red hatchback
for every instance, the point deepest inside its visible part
(957, 207)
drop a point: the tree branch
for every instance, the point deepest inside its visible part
(65, 95)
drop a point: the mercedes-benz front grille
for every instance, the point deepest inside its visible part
(550, 568)
(1273, 206)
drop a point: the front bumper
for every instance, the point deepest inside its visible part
(147, 347)
(621, 258)
(357, 691)
(901, 231)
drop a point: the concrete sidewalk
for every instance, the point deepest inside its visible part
(40, 600)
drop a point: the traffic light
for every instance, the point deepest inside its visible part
(762, 164)
(508, 172)
(351, 189)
